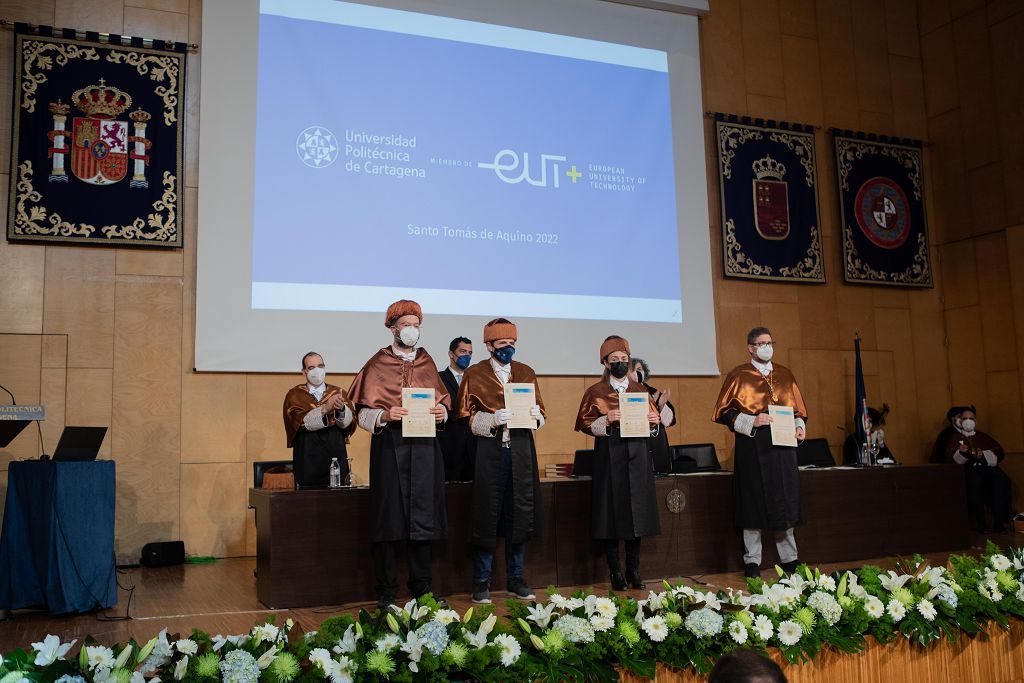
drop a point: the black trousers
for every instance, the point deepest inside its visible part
(988, 486)
(611, 553)
(418, 554)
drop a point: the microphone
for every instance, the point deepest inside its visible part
(42, 449)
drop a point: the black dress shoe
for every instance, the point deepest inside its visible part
(634, 580)
(385, 601)
(790, 567)
(618, 582)
(751, 571)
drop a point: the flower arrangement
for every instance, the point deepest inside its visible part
(570, 637)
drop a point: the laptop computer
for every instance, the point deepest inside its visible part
(79, 443)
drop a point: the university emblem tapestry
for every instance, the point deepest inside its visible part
(96, 140)
(768, 178)
(881, 202)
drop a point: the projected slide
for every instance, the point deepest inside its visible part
(478, 169)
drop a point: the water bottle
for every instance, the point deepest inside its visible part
(335, 474)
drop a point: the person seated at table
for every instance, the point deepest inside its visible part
(980, 454)
(876, 438)
(318, 420)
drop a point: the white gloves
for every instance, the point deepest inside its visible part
(536, 414)
(501, 417)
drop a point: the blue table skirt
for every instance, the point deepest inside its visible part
(57, 544)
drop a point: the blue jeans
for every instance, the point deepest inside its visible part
(484, 557)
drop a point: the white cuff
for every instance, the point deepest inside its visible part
(666, 415)
(314, 419)
(744, 424)
(346, 418)
(799, 423)
(990, 458)
(371, 419)
(482, 424)
(959, 458)
(600, 426)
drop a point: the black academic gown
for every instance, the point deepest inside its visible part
(406, 476)
(520, 516)
(624, 501)
(658, 445)
(312, 453)
(766, 482)
(457, 439)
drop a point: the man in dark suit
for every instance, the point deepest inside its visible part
(457, 440)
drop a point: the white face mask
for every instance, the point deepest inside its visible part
(409, 335)
(968, 425)
(316, 376)
(764, 353)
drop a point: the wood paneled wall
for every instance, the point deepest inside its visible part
(118, 324)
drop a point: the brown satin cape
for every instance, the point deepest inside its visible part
(624, 502)
(980, 441)
(599, 398)
(379, 384)
(481, 390)
(298, 401)
(515, 512)
(746, 391)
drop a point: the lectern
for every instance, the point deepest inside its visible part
(14, 418)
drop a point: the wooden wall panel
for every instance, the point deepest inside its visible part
(90, 401)
(20, 361)
(79, 302)
(214, 497)
(96, 15)
(21, 283)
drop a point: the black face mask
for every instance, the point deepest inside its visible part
(618, 370)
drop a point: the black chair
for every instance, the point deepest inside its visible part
(815, 452)
(583, 463)
(260, 467)
(695, 457)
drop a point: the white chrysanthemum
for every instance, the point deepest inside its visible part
(320, 657)
(874, 607)
(826, 582)
(656, 628)
(606, 607)
(510, 649)
(446, 616)
(790, 597)
(825, 605)
(790, 633)
(927, 609)
(186, 646)
(763, 627)
(99, 657)
(896, 609)
(1000, 562)
(738, 632)
(601, 623)
(704, 622)
(557, 600)
(265, 633)
(387, 642)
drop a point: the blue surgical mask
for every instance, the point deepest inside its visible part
(504, 354)
(462, 362)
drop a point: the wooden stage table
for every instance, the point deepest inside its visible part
(313, 546)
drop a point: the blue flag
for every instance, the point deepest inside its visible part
(860, 415)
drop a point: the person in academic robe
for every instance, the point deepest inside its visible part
(659, 446)
(980, 454)
(318, 420)
(456, 439)
(766, 483)
(506, 479)
(875, 435)
(406, 474)
(624, 503)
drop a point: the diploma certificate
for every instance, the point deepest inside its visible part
(634, 407)
(419, 422)
(520, 398)
(783, 426)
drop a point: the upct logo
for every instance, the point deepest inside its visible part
(506, 163)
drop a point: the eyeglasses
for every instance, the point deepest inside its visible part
(764, 345)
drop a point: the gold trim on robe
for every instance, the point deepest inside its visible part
(298, 401)
(745, 389)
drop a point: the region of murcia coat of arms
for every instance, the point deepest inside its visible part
(101, 147)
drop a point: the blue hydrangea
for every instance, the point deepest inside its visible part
(436, 636)
(947, 595)
(575, 629)
(239, 666)
(70, 679)
(704, 622)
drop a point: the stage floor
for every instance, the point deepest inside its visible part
(221, 598)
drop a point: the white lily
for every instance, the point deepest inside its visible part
(267, 658)
(347, 643)
(413, 646)
(181, 668)
(541, 614)
(50, 650)
(891, 580)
